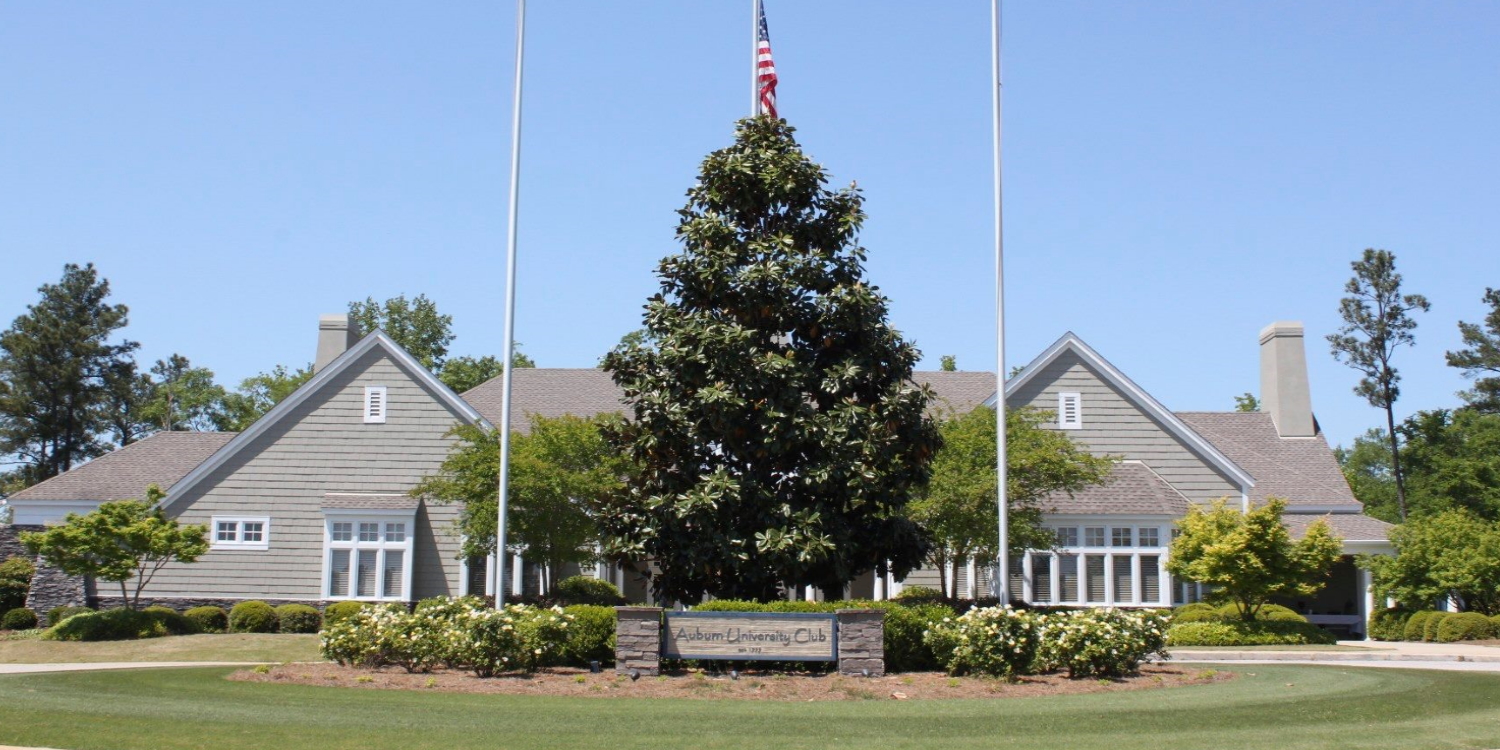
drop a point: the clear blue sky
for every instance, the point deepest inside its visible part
(1177, 175)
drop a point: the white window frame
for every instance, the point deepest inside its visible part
(354, 546)
(374, 394)
(1076, 423)
(1112, 556)
(239, 543)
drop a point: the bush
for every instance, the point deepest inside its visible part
(298, 618)
(919, 595)
(591, 635)
(252, 617)
(1100, 642)
(490, 641)
(1495, 622)
(990, 641)
(109, 625)
(208, 619)
(457, 632)
(1387, 624)
(1416, 625)
(1465, 626)
(1273, 633)
(1195, 612)
(337, 611)
(18, 619)
(585, 590)
(172, 620)
(15, 582)
(1431, 625)
(58, 614)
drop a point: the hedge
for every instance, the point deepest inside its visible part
(1259, 633)
(1416, 625)
(208, 619)
(591, 635)
(58, 614)
(1431, 625)
(1465, 626)
(108, 625)
(1388, 624)
(338, 611)
(175, 622)
(585, 590)
(298, 618)
(252, 617)
(19, 618)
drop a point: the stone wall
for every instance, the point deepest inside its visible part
(638, 640)
(861, 642)
(51, 588)
(10, 541)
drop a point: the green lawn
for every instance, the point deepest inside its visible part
(231, 647)
(1283, 707)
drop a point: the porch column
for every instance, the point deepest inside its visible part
(517, 576)
(1367, 585)
(879, 592)
(972, 589)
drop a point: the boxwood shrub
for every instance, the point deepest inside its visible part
(1431, 624)
(1495, 622)
(108, 625)
(338, 611)
(58, 614)
(1412, 630)
(175, 622)
(1195, 612)
(252, 617)
(591, 635)
(19, 618)
(1259, 633)
(1465, 626)
(298, 618)
(585, 590)
(1388, 624)
(208, 619)
(919, 594)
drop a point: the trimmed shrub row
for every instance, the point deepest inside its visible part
(1434, 626)
(1204, 612)
(585, 590)
(20, 618)
(1240, 633)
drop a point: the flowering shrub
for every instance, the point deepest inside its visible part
(490, 641)
(1100, 642)
(461, 633)
(990, 640)
(367, 638)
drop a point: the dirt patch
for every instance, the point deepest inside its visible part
(749, 685)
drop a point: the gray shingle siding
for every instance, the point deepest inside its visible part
(324, 446)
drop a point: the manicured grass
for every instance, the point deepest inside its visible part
(230, 647)
(1285, 707)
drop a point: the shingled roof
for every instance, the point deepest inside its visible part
(586, 392)
(161, 459)
(1351, 527)
(1301, 470)
(1131, 489)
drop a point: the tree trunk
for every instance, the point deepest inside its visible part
(1390, 423)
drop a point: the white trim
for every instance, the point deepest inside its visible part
(1063, 422)
(238, 543)
(1142, 399)
(380, 546)
(377, 405)
(42, 512)
(331, 371)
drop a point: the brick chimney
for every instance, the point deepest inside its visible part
(1284, 391)
(336, 333)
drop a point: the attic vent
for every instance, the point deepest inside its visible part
(1069, 411)
(375, 406)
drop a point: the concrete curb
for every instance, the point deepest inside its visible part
(1332, 656)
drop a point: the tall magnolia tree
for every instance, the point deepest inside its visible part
(56, 362)
(1377, 322)
(1480, 357)
(775, 424)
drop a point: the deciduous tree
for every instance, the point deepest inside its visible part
(1250, 558)
(1377, 322)
(1453, 555)
(183, 397)
(774, 419)
(414, 324)
(257, 394)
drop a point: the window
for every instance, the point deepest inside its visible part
(1150, 536)
(1150, 579)
(375, 404)
(367, 558)
(1067, 579)
(1124, 594)
(241, 533)
(1069, 411)
(1094, 578)
(1093, 536)
(1041, 578)
(1067, 536)
(1120, 536)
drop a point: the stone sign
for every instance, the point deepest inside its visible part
(751, 636)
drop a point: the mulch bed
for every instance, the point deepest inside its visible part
(750, 685)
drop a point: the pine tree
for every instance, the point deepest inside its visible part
(55, 363)
(774, 421)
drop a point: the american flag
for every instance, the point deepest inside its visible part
(767, 68)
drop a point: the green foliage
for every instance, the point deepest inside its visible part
(591, 635)
(173, 621)
(298, 618)
(462, 633)
(1432, 623)
(774, 421)
(120, 541)
(1452, 554)
(466, 373)
(585, 590)
(1246, 402)
(257, 394)
(958, 506)
(993, 641)
(415, 324)
(561, 471)
(208, 619)
(1250, 558)
(919, 594)
(1377, 322)
(252, 617)
(1367, 468)
(1480, 359)
(56, 366)
(18, 619)
(58, 614)
(15, 582)
(1195, 612)
(1241, 633)
(1451, 459)
(1388, 624)
(1205, 612)
(1100, 642)
(1416, 625)
(183, 397)
(948, 363)
(337, 611)
(108, 625)
(1464, 626)
(490, 641)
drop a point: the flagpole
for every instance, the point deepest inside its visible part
(510, 308)
(754, 57)
(1002, 578)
